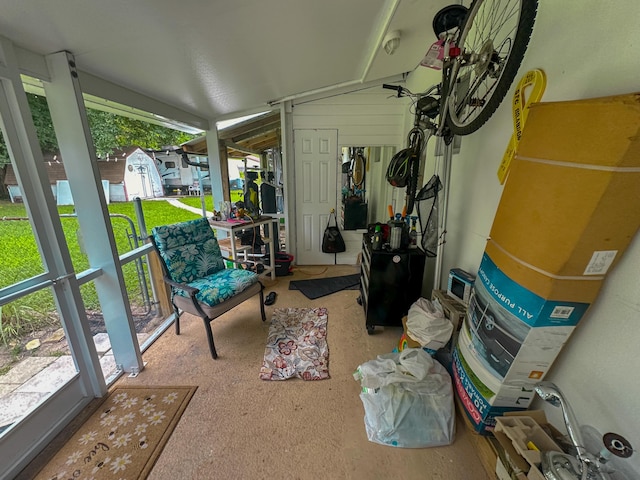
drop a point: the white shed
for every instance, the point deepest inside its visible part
(141, 176)
(125, 175)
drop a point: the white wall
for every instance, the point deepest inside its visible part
(588, 48)
(366, 118)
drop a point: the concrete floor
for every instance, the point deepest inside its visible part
(240, 427)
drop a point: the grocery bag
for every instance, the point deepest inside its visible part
(407, 399)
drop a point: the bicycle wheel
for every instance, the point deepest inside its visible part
(416, 143)
(493, 42)
(358, 169)
(412, 186)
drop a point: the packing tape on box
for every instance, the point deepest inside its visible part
(595, 277)
(577, 165)
(537, 80)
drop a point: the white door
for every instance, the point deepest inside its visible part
(316, 160)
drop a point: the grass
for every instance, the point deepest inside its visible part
(16, 350)
(21, 259)
(195, 202)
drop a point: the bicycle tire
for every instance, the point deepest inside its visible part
(358, 169)
(466, 115)
(412, 186)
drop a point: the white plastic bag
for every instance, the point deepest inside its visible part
(427, 325)
(408, 400)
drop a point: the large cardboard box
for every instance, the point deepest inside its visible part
(515, 333)
(569, 209)
(571, 204)
(507, 344)
(482, 403)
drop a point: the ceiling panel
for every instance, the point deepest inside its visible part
(216, 58)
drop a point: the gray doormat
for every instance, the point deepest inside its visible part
(319, 287)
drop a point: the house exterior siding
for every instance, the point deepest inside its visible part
(365, 118)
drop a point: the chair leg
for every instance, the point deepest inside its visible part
(177, 320)
(212, 347)
(264, 317)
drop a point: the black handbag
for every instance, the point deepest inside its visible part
(332, 241)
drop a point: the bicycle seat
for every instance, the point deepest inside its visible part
(448, 18)
(429, 106)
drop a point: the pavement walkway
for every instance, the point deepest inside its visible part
(177, 203)
(33, 379)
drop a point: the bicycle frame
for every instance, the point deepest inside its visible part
(451, 66)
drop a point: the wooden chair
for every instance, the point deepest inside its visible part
(201, 283)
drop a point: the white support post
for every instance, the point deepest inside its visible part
(18, 446)
(444, 205)
(69, 116)
(22, 143)
(215, 168)
(288, 175)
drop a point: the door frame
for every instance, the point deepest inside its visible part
(313, 225)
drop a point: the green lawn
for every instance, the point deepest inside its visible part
(21, 259)
(195, 202)
(236, 196)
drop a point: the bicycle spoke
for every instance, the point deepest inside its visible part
(487, 42)
(490, 21)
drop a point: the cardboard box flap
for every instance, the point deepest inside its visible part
(597, 131)
(572, 196)
(527, 437)
(556, 217)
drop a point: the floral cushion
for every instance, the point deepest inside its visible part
(192, 255)
(189, 249)
(221, 286)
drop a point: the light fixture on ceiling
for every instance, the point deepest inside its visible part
(391, 42)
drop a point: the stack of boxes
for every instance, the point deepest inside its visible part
(569, 209)
(454, 311)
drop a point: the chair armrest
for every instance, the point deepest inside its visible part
(182, 286)
(192, 291)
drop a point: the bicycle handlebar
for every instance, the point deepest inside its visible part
(397, 88)
(405, 92)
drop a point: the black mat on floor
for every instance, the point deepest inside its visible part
(319, 287)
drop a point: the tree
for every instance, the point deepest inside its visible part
(108, 131)
(44, 128)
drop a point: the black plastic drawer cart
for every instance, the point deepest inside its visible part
(390, 281)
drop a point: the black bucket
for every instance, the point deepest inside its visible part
(283, 263)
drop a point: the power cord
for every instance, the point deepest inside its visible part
(311, 273)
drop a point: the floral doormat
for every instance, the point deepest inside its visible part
(124, 436)
(297, 345)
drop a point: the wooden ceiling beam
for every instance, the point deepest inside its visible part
(251, 125)
(249, 138)
(266, 144)
(241, 148)
(255, 132)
